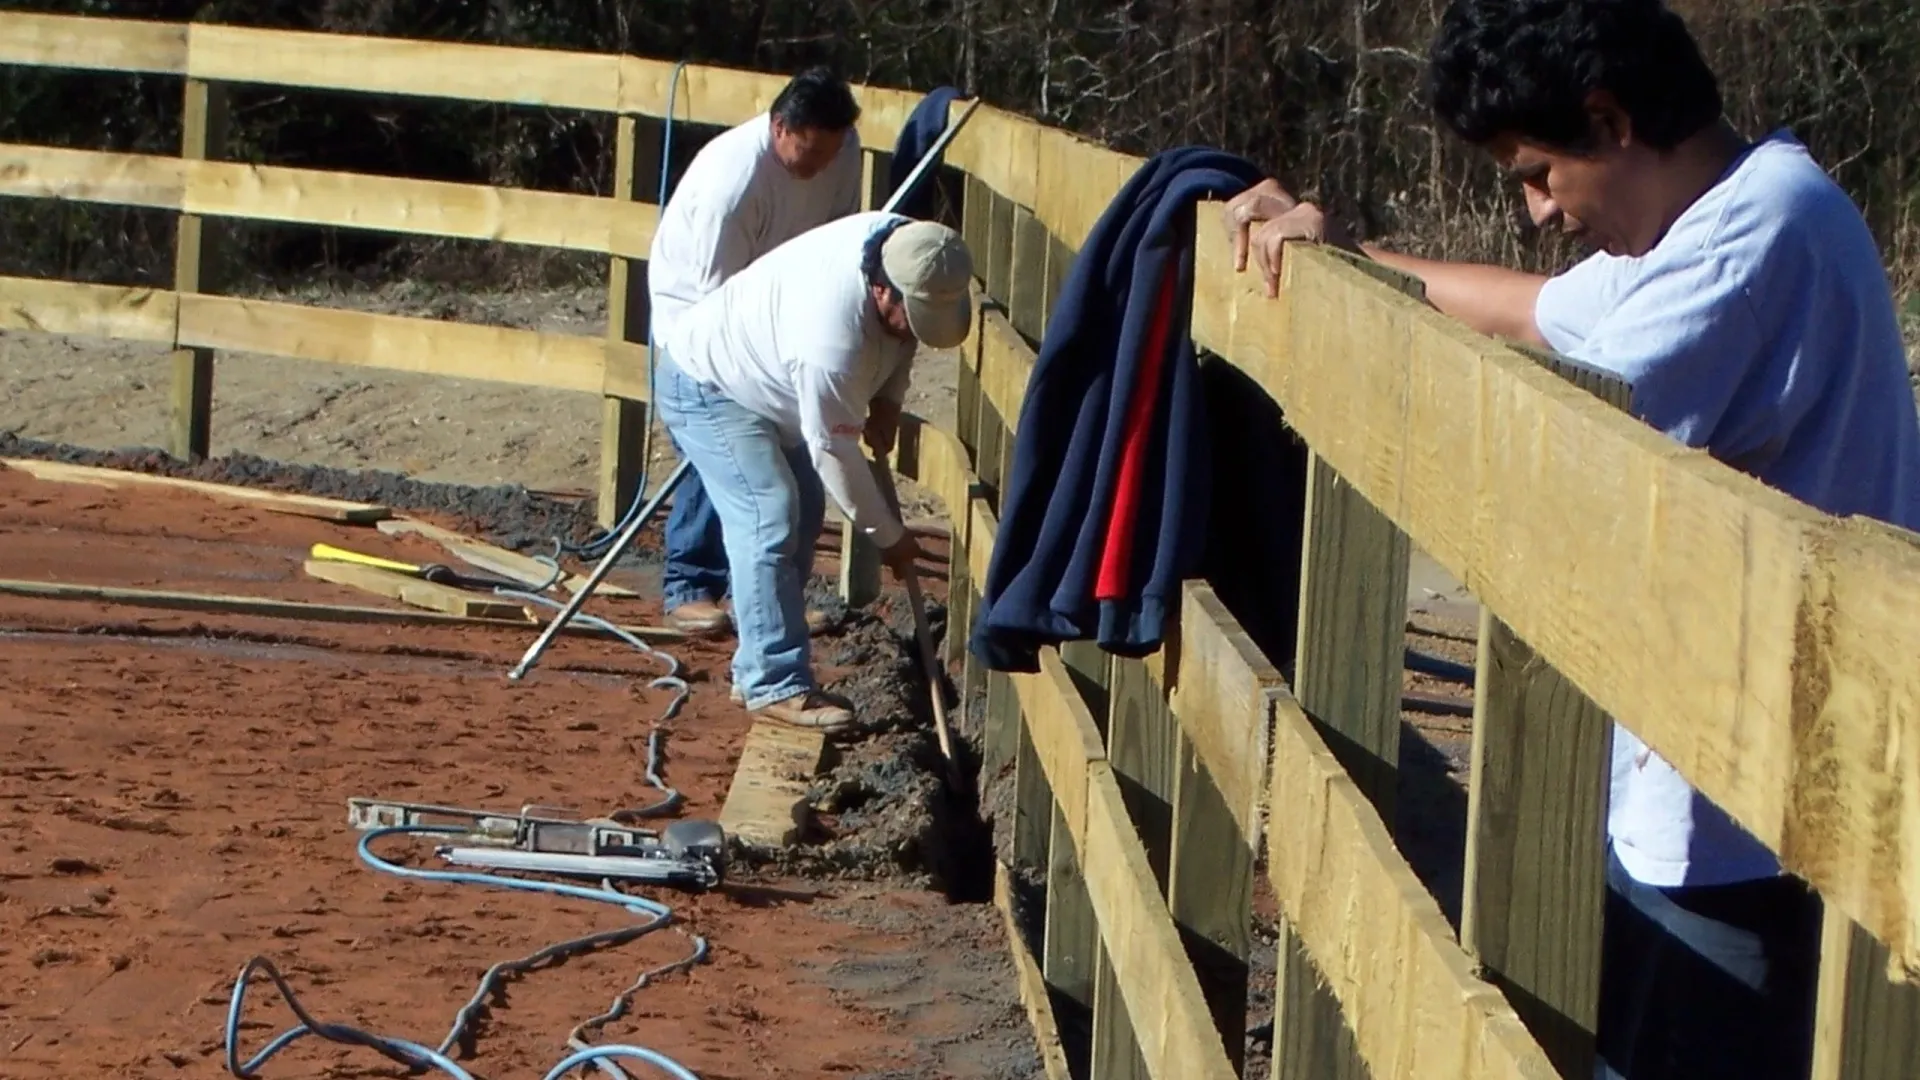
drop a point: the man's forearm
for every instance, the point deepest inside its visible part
(1493, 300)
(848, 479)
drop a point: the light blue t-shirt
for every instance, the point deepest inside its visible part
(1761, 328)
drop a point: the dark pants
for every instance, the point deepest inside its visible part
(1708, 981)
(696, 567)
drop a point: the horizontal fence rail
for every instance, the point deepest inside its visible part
(1765, 649)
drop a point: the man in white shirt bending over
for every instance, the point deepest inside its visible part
(748, 191)
(1739, 293)
(768, 387)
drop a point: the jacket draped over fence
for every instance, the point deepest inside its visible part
(1106, 505)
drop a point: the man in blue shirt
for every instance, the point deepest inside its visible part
(1738, 291)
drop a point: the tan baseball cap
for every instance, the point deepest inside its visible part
(933, 270)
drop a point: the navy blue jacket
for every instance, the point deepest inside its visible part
(922, 129)
(1105, 510)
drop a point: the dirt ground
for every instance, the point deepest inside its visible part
(172, 803)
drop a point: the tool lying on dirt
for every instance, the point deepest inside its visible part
(690, 853)
(698, 841)
(626, 535)
(438, 573)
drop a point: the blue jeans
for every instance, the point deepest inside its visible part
(696, 568)
(1704, 982)
(770, 505)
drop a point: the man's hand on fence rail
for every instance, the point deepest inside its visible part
(1264, 218)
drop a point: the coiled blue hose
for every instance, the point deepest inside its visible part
(597, 546)
(414, 1055)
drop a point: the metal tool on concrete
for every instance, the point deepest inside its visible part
(689, 853)
(626, 536)
(437, 573)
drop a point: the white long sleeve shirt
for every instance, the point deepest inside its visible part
(795, 337)
(735, 203)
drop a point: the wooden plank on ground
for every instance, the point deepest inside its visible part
(766, 805)
(312, 506)
(1612, 550)
(375, 65)
(71, 41)
(1374, 932)
(494, 559)
(1163, 997)
(270, 608)
(70, 307)
(1033, 985)
(407, 589)
(396, 342)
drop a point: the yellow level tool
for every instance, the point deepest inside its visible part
(435, 572)
(334, 554)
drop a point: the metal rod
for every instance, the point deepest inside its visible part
(619, 548)
(627, 535)
(926, 160)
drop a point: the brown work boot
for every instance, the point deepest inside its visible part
(699, 617)
(813, 711)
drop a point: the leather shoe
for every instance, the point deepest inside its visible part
(699, 617)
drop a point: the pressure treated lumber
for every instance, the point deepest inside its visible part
(375, 65)
(270, 608)
(1219, 685)
(407, 589)
(1032, 984)
(396, 342)
(198, 266)
(94, 176)
(497, 560)
(552, 219)
(312, 506)
(71, 307)
(1170, 1015)
(1613, 551)
(1405, 987)
(71, 41)
(1006, 367)
(766, 804)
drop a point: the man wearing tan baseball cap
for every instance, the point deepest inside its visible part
(770, 383)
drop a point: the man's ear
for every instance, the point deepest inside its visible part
(1610, 124)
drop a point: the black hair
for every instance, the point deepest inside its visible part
(816, 98)
(1524, 68)
(871, 267)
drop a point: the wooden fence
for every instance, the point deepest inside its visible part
(1767, 650)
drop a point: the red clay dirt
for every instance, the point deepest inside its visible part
(172, 803)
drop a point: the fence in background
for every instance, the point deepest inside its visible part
(1765, 649)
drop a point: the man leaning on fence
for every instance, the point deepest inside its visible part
(749, 190)
(1738, 291)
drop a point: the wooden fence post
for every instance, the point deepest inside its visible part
(624, 423)
(1867, 1027)
(1534, 888)
(197, 262)
(1351, 643)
